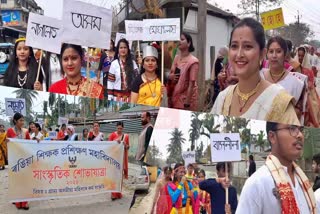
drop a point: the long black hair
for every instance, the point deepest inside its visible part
(175, 179)
(17, 116)
(10, 76)
(257, 30)
(129, 62)
(189, 40)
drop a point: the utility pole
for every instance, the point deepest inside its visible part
(258, 10)
(201, 49)
(298, 17)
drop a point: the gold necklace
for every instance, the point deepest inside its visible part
(245, 97)
(277, 75)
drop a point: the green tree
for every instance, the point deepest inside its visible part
(29, 96)
(260, 141)
(298, 33)
(235, 124)
(208, 125)
(194, 131)
(199, 152)
(252, 7)
(175, 147)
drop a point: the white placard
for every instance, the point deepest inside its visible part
(119, 36)
(52, 135)
(134, 30)
(44, 33)
(161, 29)
(189, 157)
(122, 36)
(86, 24)
(173, 165)
(225, 147)
(63, 120)
(14, 105)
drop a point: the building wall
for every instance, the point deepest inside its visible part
(9, 5)
(218, 35)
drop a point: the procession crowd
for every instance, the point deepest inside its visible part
(279, 186)
(67, 133)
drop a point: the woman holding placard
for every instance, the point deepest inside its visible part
(253, 97)
(147, 88)
(122, 73)
(74, 83)
(17, 131)
(22, 70)
(184, 71)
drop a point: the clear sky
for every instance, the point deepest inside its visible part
(168, 119)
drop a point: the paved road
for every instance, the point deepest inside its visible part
(100, 203)
(143, 202)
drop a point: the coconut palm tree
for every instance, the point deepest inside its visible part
(175, 147)
(208, 125)
(260, 141)
(194, 131)
(29, 96)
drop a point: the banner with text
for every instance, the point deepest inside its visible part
(44, 33)
(161, 29)
(272, 19)
(56, 169)
(189, 157)
(14, 105)
(134, 30)
(225, 147)
(90, 27)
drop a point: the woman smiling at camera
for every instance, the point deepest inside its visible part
(147, 88)
(253, 97)
(22, 70)
(74, 83)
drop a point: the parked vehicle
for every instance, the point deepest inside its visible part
(6, 50)
(139, 177)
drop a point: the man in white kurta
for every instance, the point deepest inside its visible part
(259, 194)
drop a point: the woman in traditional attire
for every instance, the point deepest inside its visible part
(184, 71)
(23, 68)
(278, 74)
(253, 97)
(95, 134)
(147, 87)
(162, 203)
(36, 132)
(122, 73)
(312, 117)
(71, 134)
(85, 135)
(17, 131)
(105, 63)
(3, 148)
(204, 197)
(184, 192)
(123, 138)
(74, 83)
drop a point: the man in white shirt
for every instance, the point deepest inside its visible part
(280, 186)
